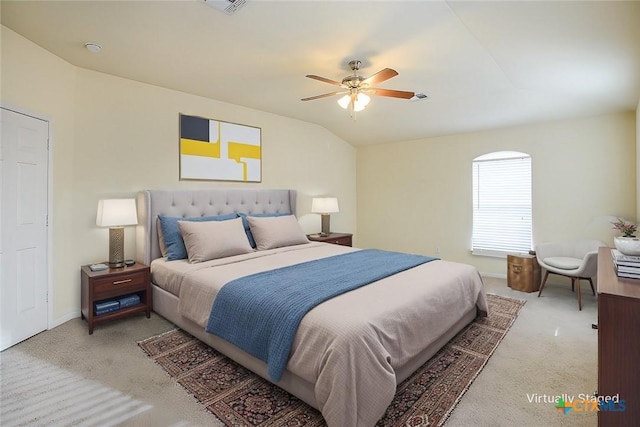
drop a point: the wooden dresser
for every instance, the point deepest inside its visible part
(618, 342)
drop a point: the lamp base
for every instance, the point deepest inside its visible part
(325, 225)
(116, 247)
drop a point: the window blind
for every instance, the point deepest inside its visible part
(502, 203)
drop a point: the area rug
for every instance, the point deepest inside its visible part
(237, 397)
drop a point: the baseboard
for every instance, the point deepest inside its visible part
(60, 320)
(494, 275)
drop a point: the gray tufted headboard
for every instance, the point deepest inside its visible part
(193, 203)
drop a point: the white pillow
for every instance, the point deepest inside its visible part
(214, 239)
(276, 231)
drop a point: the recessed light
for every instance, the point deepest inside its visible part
(93, 47)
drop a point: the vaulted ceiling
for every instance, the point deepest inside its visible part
(482, 64)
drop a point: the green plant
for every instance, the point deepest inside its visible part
(627, 229)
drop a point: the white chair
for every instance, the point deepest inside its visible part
(574, 259)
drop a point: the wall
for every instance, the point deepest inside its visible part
(41, 83)
(127, 143)
(415, 196)
(638, 162)
(113, 137)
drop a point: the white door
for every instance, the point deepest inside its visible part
(23, 227)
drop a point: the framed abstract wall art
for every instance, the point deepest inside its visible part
(220, 151)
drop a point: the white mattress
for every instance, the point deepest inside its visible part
(169, 275)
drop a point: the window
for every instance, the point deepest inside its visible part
(501, 203)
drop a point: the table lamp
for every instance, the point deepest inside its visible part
(324, 206)
(115, 214)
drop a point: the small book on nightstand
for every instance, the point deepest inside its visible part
(98, 267)
(129, 300)
(104, 307)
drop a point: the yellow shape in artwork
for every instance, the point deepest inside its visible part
(238, 150)
(192, 147)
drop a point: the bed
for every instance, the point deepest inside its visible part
(349, 352)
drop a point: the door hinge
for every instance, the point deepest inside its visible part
(47, 144)
(46, 220)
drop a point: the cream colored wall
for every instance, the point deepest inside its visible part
(113, 137)
(127, 140)
(416, 196)
(41, 83)
(638, 162)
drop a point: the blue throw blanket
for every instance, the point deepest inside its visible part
(260, 313)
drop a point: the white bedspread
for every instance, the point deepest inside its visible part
(351, 345)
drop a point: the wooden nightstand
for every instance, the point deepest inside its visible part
(113, 283)
(344, 239)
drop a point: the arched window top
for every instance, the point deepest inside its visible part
(501, 155)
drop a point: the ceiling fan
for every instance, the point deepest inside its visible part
(357, 88)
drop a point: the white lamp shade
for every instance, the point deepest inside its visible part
(116, 213)
(360, 102)
(324, 205)
(344, 101)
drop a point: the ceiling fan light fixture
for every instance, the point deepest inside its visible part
(362, 99)
(356, 99)
(344, 101)
(358, 106)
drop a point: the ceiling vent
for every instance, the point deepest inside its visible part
(227, 6)
(419, 97)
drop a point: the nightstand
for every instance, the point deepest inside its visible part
(523, 273)
(344, 239)
(111, 284)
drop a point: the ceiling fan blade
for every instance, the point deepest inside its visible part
(380, 76)
(393, 93)
(323, 79)
(326, 95)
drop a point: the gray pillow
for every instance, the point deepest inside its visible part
(209, 240)
(171, 238)
(277, 231)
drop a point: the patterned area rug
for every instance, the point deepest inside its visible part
(237, 397)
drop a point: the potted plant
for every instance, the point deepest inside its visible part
(628, 243)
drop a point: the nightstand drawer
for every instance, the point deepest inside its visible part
(115, 285)
(344, 241)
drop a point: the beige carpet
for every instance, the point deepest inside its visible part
(238, 397)
(550, 349)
